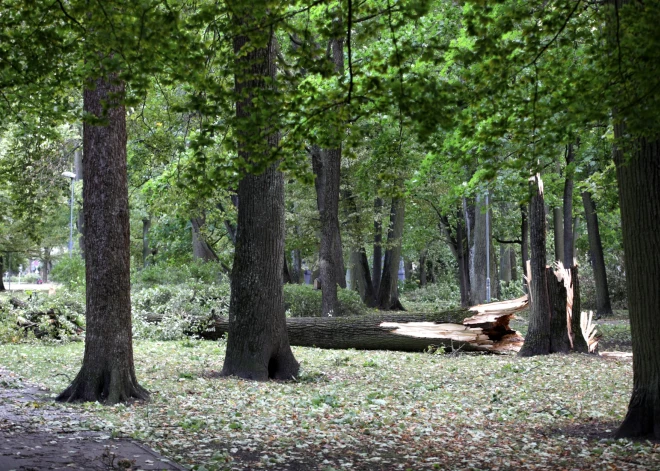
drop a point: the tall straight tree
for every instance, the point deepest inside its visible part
(258, 346)
(108, 373)
(603, 304)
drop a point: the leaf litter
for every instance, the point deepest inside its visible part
(364, 410)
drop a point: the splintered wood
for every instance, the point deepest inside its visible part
(487, 330)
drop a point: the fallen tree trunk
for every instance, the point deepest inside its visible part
(480, 328)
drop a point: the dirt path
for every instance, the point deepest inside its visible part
(37, 434)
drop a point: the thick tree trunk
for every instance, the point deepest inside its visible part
(258, 345)
(462, 329)
(639, 199)
(524, 246)
(378, 243)
(603, 306)
(569, 242)
(388, 292)
(146, 224)
(107, 374)
(558, 299)
(537, 341)
(201, 248)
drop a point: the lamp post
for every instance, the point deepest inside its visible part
(72, 177)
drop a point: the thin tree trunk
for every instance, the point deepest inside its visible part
(558, 227)
(569, 242)
(639, 199)
(576, 232)
(78, 165)
(2, 271)
(378, 243)
(422, 269)
(146, 224)
(388, 292)
(513, 264)
(296, 268)
(258, 344)
(45, 264)
(505, 264)
(480, 238)
(579, 342)
(537, 340)
(107, 373)
(407, 269)
(603, 306)
(524, 246)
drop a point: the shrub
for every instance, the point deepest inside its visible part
(70, 272)
(432, 298)
(161, 274)
(304, 301)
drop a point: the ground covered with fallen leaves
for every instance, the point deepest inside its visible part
(364, 410)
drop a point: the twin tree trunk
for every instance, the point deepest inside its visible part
(108, 373)
(201, 248)
(388, 291)
(258, 345)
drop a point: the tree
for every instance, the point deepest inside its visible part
(258, 346)
(108, 372)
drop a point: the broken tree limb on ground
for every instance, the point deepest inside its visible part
(480, 328)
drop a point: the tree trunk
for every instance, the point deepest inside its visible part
(422, 269)
(362, 277)
(639, 199)
(107, 374)
(258, 345)
(45, 264)
(296, 267)
(513, 264)
(505, 263)
(537, 341)
(460, 329)
(146, 224)
(407, 269)
(286, 275)
(201, 248)
(378, 243)
(388, 292)
(478, 260)
(579, 342)
(558, 299)
(2, 272)
(463, 260)
(524, 246)
(558, 226)
(569, 242)
(603, 306)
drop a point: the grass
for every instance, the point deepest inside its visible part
(365, 410)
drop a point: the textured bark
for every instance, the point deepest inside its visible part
(558, 228)
(537, 341)
(463, 260)
(296, 267)
(513, 264)
(201, 248)
(603, 305)
(286, 275)
(388, 292)
(362, 277)
(146, 224)
(639, 199)
(557, 299)
(258, 345)
(568, 252)
(107, 373)
(378, 244)
(459, 329)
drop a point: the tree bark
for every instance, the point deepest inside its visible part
(46, 261)
(603, 306)
(422, 269)
(505, 263)
(146, 224)
(568, 252)
(639, 199)
(2, 272)
(478, 260)
(258, 345)
(296, 267)
(388, 292)
(558, 227)
(107, 374)
(579, 342)
(378, 244)
(513, 264)
(362, 277)
(537, 341)
(557, 300)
